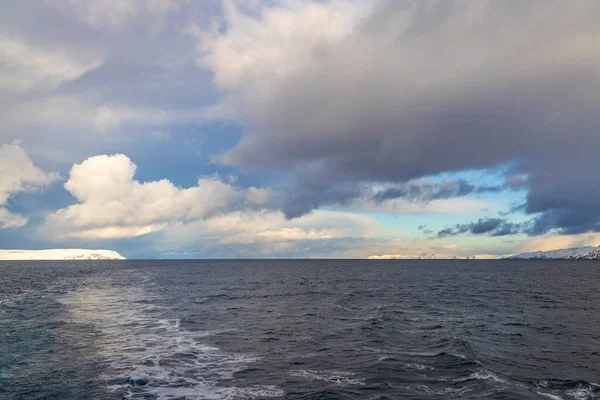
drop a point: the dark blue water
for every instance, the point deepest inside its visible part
(300, 330)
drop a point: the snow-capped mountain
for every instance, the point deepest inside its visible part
(576, 253)
(60, 254)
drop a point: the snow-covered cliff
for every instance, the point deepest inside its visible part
(576, 253)
(60, 254)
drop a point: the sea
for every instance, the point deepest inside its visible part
(300, 329)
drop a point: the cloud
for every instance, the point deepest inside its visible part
(516, 181)
(112, 14)
(355, 106)
(24, 66)
(271, 226)
(89, 66)
(10, 220)
(312, 191)
(488, 226)
(427, 191)
(161, 135)
(279, 43)
(409, 89)
(18, 174)
(406, 207)
(269, 234)
(105, 120)
(547, 243)
(98, 14)
(112, 204)
(322, 233)
(425, 230)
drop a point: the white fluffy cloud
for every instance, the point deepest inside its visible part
(112, 204)
(17, 175)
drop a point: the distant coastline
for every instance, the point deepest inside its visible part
(60, 254)
(433, 256)
(575, 253)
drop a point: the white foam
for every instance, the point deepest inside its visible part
(415, 366)
(150, 356)
(482, 374)
(339, 378)
(419, 367)
(549, 395)
(582, 393)
(444, 391)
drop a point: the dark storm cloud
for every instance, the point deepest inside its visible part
(510, 228)
(297, 204)
(515, 182)
(313, 190)
(488, 226)
(485, 225)
(419, 88)
(427, 191)
(514, 209)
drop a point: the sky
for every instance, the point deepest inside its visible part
(270, 129)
